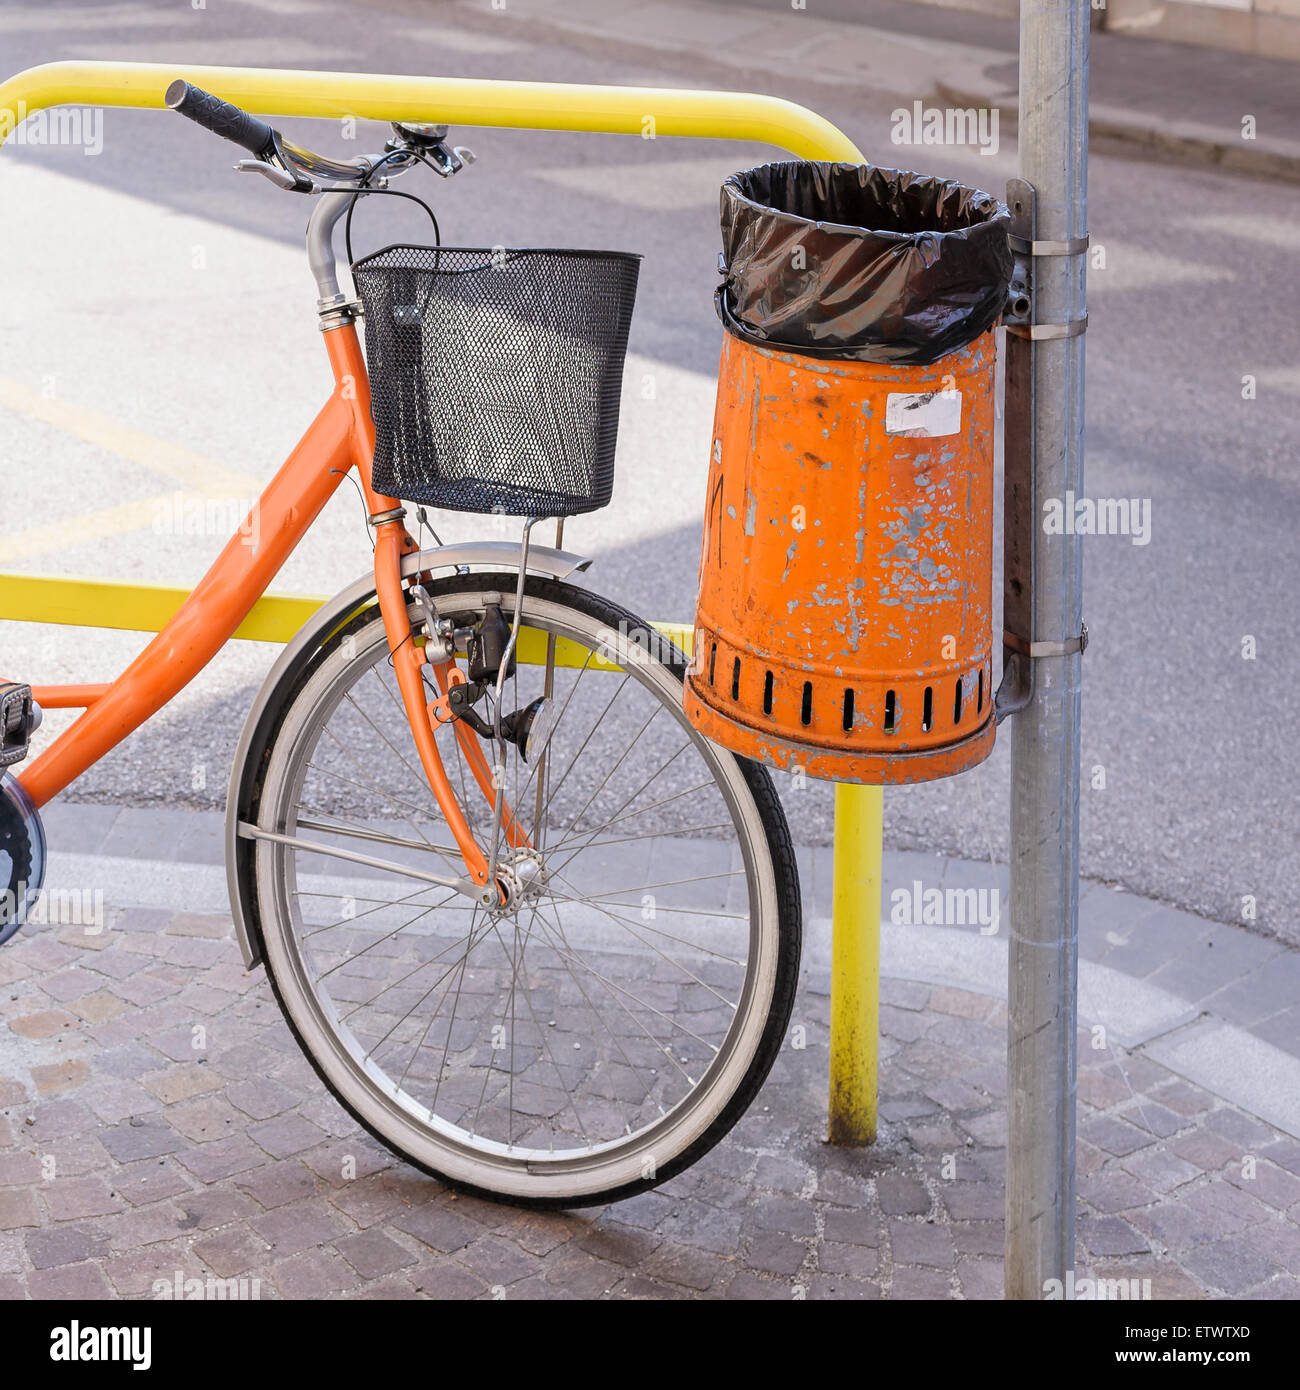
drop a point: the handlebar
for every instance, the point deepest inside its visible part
(262, 141)
(221, 118)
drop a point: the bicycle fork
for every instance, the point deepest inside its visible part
(392, 543)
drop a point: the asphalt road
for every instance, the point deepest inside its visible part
(153, 287)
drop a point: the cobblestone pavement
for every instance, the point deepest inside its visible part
(134, 1148)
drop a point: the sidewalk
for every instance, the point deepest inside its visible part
(1166, 99)
(128, 1156)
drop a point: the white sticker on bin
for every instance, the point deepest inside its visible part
(929, 415)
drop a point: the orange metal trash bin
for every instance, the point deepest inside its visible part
(844, 622)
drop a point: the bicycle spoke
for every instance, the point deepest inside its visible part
(556, 1033)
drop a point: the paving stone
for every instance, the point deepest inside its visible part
(843, 1189)
(205, 1119)
(73, 1199)
(989, 1130)
(1286, 1154)
(285, 1136)
(1269, 1184)
(694, 1269)
(1279, 1241)
(902, 1196)
(1206, 1150)
(773, 1253)
(496, 1261)
(751, 1288)
(151, 1181)
(1237, 1128)
(312, 1274)
(978, 1237)
(626, 1245)
(981, 1279)
(1115, 1191)
(913, 1283)
(114, 1101)
(1155, 1119)
(78, 1281)
(48, 1023)
(231, 1252)
(279, 1183)
(136, 1140)
(372, 1253)
(849, 1227)
(134, 1272)
(144, 1226)
(904, 994)
(971, 1201)
(19, 1170)
(839, 1287)
(1232, 1265)
(17, 1210)
(440, 1228)
(1114, 1135)
(1161, 1170)
(222, 1158)
(1109, 1235)
(366, 1201)
(209, 1208)
(920, 1243)
(56, 1078)
(181, 1083)
(788, 1215)
(856, 1261)
(64, 1245)
(1101, 1088)
(298, 1226)
(573, 1272)
(260, 1098)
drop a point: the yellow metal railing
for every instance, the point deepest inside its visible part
(646, 111)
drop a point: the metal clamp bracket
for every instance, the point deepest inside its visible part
(392, 514)
(1023, 246)
(1039, 332)
(1040, 649)
(1021, 514)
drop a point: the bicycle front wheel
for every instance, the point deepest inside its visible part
(611, 1022)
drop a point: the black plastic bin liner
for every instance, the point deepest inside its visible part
(852, 261)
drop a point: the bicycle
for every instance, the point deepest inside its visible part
(466, 805)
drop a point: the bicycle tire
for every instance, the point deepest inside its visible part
(305, 1018)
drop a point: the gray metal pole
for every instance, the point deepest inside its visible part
(1045, 403)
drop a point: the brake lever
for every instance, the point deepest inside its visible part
(279, 177)
(447, 160)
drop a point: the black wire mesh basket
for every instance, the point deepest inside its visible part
(495, 374)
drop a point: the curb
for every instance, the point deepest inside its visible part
(1182, 142)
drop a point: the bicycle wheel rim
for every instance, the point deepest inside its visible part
(429, 1139)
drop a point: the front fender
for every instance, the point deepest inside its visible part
(292, 667)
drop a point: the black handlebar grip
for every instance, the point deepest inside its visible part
(221, 118)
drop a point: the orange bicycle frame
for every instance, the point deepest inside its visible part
(341, 437)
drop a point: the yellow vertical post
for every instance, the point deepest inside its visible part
(855, 964)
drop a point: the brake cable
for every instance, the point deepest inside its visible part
(394, 192)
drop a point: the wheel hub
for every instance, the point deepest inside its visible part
(522, 879)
